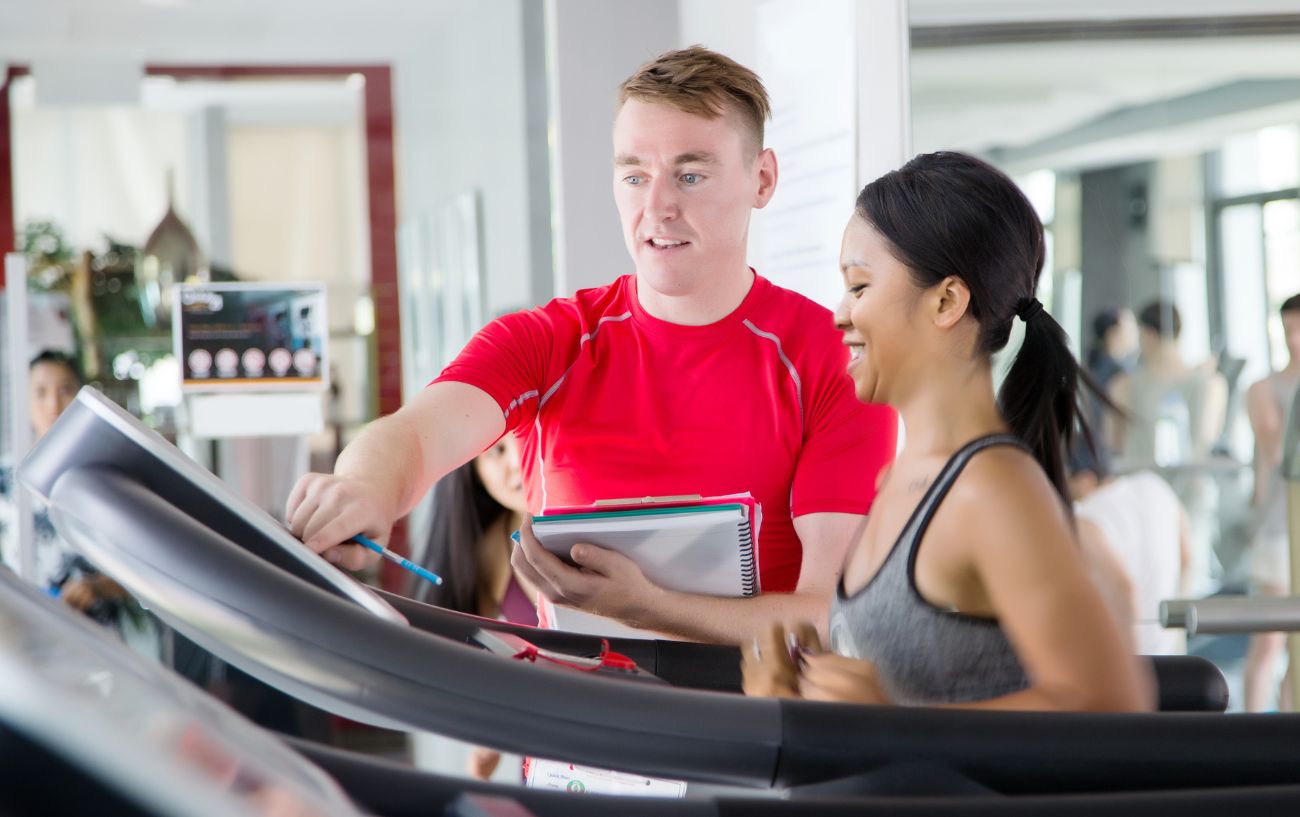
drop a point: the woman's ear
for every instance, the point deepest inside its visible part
(951, 300)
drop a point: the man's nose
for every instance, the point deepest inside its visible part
(661, 201)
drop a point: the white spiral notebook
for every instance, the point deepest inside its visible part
(705, 548)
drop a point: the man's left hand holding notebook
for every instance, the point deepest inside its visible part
(604, 582)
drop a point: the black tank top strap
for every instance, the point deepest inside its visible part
(916, 528)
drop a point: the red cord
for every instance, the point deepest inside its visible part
(608, 659)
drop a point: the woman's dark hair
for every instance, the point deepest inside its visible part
(1104, 321)
(54, 357)
(462, 511)
(949, 214)
(1162, 318)
(1291, 304)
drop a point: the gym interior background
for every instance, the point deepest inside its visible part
(438, 162)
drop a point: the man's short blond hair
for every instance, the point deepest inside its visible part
(705, 83)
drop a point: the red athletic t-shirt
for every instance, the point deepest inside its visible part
(610, 402)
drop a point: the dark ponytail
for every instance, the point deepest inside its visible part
(1045, 417)
(949, 214)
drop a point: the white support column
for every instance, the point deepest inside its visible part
(806, 57)
(20, 427)
(209, 201)
(884, 87)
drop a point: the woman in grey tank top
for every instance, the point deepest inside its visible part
(966, 586)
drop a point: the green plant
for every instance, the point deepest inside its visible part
(49, 258)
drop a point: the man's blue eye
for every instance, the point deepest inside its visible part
(634, 180)
(691, 178)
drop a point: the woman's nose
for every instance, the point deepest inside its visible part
(841, 314)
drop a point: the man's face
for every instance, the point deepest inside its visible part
(685, 186)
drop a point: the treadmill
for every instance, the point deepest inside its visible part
(89, 727)
(228, 576)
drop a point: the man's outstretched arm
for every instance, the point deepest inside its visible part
(381, 475)
(610, 584)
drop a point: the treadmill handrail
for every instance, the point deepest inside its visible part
(454, 689)
(1233, 614)
(188, 573)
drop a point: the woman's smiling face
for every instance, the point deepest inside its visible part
(876, 312)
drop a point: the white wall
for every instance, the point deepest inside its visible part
(98, 170)
(856, 84)
(593, 45)
(458, 68)
(459, 108)
(723, 25)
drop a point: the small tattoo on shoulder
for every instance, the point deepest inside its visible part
(919, 484)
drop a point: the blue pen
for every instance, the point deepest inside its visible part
(393, 557)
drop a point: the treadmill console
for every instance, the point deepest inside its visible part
(95, 432)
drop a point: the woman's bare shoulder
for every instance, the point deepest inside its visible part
(1003, 491)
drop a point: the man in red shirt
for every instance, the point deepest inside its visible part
(692, 376)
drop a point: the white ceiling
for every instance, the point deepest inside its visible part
(982, 97)
(220, 30)
(969, 97)
(344, 30)
(977, 98)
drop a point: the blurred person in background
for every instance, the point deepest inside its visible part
(1170, 414)
(53, 380)
(1114, 343)
(475, 509)
(1173, 412)
(1135, 536)
(480, 503)
(1269, 404)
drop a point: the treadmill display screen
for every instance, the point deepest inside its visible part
(95, 432)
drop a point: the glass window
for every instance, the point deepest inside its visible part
(1240, 227)
(1260, 161)
(1040, 188)
(1281, 218)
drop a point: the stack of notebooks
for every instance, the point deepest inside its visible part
(693, 545)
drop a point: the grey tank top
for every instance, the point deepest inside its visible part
(925, 654)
